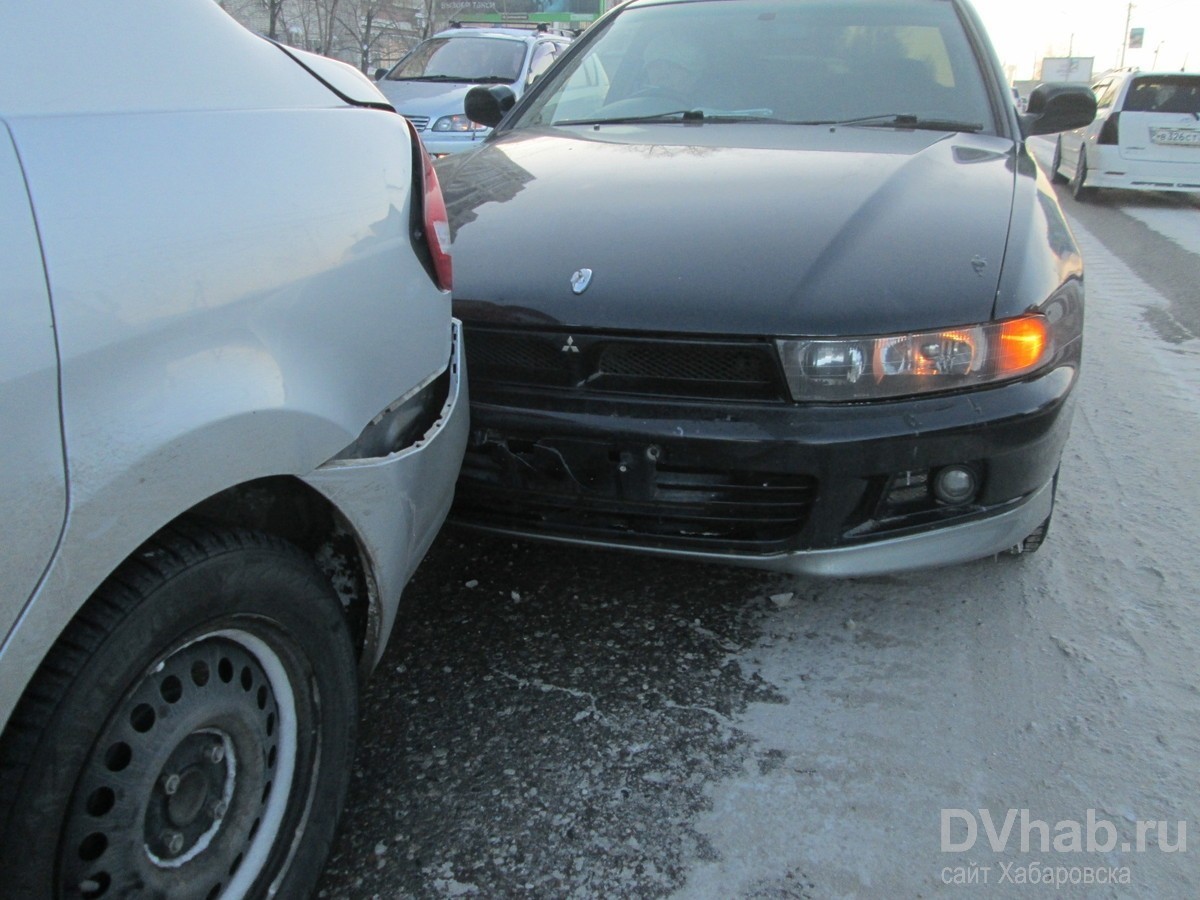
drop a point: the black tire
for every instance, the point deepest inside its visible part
(1055, 175)
(190, 735)
(1079, 189)
(1032, 541)
(1037, 537)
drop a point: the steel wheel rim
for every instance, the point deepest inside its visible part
(186, 788)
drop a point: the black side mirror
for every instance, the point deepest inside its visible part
(379, 73)
(1058, 107)
(488, 104)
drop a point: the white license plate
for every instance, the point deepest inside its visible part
(1176, 137)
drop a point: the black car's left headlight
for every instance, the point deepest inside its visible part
(830, 370)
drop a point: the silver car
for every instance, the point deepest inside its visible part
(234, 409)
(429, 85)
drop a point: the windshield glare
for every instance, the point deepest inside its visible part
(463, 59)
(773, 60)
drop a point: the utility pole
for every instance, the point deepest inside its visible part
(1125, 34)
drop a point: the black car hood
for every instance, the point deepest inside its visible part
(731, 229)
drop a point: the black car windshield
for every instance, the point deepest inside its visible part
(890, 64)
(477, 60)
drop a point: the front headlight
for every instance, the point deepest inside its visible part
(457, 123)
(823, 370)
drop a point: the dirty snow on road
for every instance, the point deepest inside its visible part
(550, 722)
(1179, 225)
(1061, 683)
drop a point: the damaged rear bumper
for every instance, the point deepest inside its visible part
(396, 503)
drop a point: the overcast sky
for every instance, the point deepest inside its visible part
(1026, 30)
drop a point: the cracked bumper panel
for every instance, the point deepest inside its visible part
(396, 504)
(833, 490)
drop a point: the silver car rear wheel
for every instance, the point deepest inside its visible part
(190, 736)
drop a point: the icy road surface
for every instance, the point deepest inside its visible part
(561, 723)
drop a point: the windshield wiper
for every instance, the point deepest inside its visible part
(430, 78)
(736, 117)
(676, 115)
(461, 79)
(697, 116)
(902, 120)
(688, 116)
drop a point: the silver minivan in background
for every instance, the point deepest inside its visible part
(430, 84)
(234, 409)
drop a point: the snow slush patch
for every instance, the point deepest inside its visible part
(1182, 226)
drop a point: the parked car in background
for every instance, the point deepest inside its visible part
(234, 410)
(1146, 136)
(428, 85)
(831, 330)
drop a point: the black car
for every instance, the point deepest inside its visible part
(768, 283)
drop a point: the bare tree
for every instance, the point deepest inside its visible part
(430, 10)
(258, 15)
(274, 13)
(374, 25)
(313, 24)
(326, 18)
(358, 31)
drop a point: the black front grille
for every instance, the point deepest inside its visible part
(688, 362)
(516, 357)
(599, 493)
(599, 363)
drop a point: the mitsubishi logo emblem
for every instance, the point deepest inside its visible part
(580, 280)
(569, 346)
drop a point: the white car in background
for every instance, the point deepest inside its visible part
(1146, 136)
(234, 410)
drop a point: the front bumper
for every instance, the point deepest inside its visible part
(444, 143)
(943, 546)
(397, 503)
(824, 490)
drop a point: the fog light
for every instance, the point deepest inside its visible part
(955, 485)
